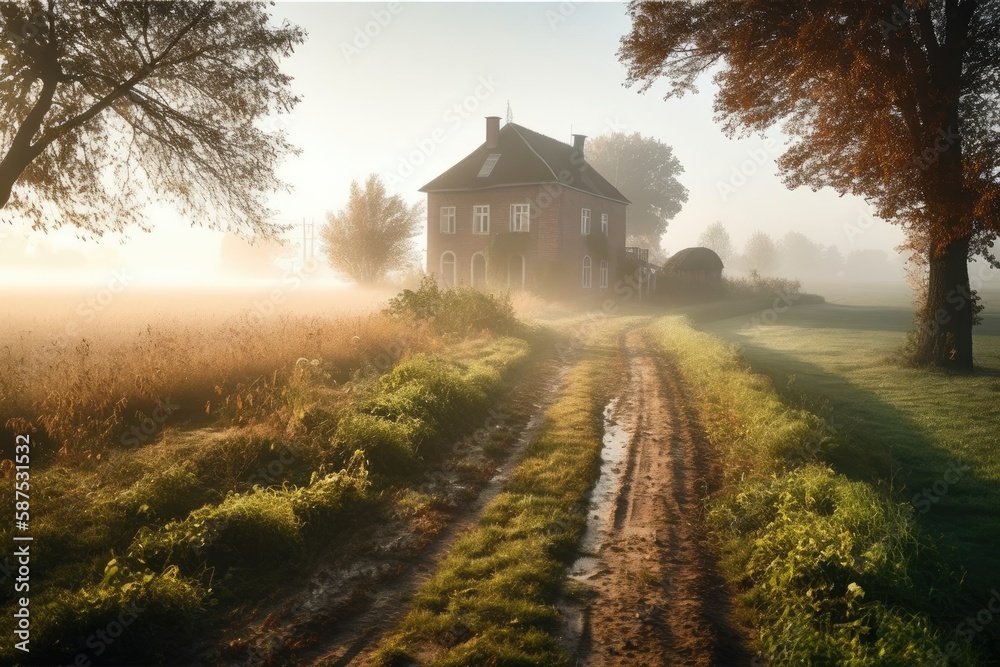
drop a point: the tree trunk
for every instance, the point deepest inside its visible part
(944, 326)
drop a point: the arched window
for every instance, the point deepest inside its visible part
(478, 277)
(586, 271)
(448, 268)
(604, 273)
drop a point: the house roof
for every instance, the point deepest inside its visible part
(526, 158)
(694, 259)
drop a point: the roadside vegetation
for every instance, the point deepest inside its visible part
(907, 430)
(828, 569)
(193, 523)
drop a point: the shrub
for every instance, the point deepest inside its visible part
(826, 563)
(389, 446)
(258, 528)
(141, 603)
(461, 310)
(758, 285)
(163, 494)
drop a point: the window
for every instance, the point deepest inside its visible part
(448, 269)
(586, 271)
(604, 273)
(481, 219)
(519, 217)
(604, 223)
(447, 219)
(491, 161)
(478, 270)
(585, 221)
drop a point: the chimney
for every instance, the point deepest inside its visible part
(578, 140)
(492, 131)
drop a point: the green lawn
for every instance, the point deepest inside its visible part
(903, 427)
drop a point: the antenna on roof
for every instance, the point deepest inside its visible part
(510, 114)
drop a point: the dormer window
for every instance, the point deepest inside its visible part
(491, 161)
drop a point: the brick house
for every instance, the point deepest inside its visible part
(526, 211)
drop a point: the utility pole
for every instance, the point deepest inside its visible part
(308, 241)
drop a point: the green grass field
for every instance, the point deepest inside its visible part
(928, 438)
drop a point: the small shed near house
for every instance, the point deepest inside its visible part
(697, 271)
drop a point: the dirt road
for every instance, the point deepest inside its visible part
(651, 593)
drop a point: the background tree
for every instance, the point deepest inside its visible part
(717, 238)
(800, 256)
(761, 252)
(645, 170)
(371, 236)
(895, 102)
(110, 105)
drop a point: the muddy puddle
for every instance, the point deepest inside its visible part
(604, 496)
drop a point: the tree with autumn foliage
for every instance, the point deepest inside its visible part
(896, 102)
(108, 106)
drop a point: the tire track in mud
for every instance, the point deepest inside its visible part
(652, 594)
(339, 616)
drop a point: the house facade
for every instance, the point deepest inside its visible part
(526, 211)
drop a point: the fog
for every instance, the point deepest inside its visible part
(363, 111)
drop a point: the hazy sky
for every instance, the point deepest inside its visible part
(376, 81)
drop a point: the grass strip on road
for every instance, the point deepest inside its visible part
(492, 599)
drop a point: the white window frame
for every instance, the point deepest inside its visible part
(587, 267)
(585, 221)
(520, 217)
(603, 276)
(454, 268)
(481, 219)
(604, 223)
(447, 219)
(472, 270)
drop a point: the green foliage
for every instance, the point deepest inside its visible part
(163, 494)
(828, 565)
(826, 562)
(461, 310)
(138, 602)
(258, 529)
(417, 407)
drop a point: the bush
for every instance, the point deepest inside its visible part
(758, 285)
(461, 310)
(142, 604)
(826, 563)
(163, 494)
(258, 528)
(390, 446)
